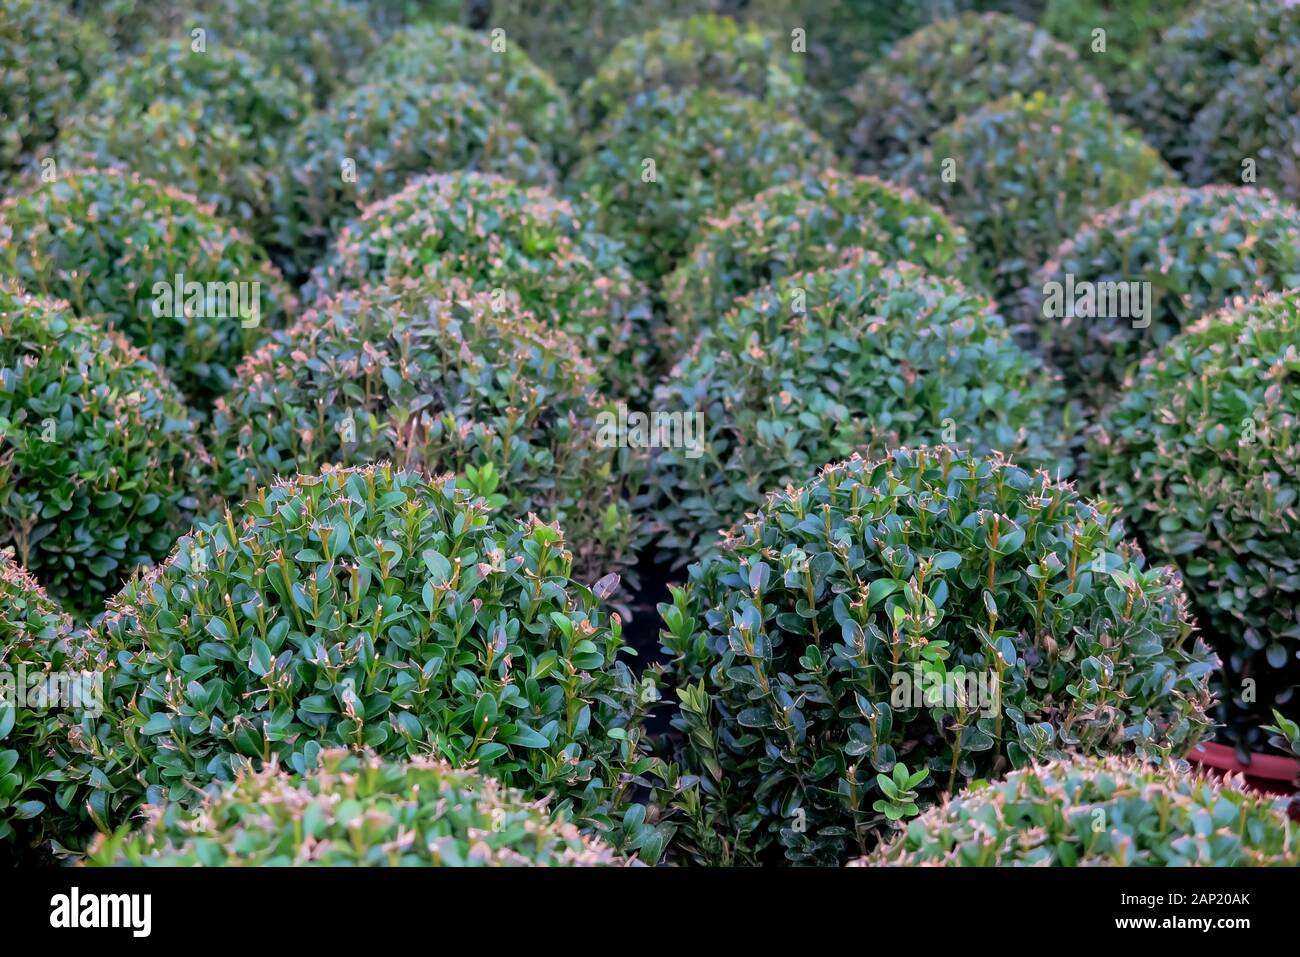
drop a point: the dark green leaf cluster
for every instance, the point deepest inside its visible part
(357, 810)
(208, 122)
(1197, 248)
(446, 383)
(950, 614)
(1201, 452)
(428, 55)
(1098, 812)
(368, 143)
(697, 53)
(802, 225)
(100, 462)
(512, 241)
(1132, 31)
(854, 359)
(1199, 56)
(47, 59)
(105, 241)
(1021, 174)
(376, 608)
(1255, 118)
(946, 70)
(655, 172)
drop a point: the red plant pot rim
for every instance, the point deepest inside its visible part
(1270, 772)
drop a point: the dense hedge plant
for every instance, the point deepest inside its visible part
(894, 629)
(369, 143)
(1108, 812)
(441, 384)
(1197, 248)
(570, 41)
(946, 70)
(357, 810)
(1200, 452)
(1132, 30)
(1021, 174)
(823, 364)
(373, 607)
(428, 54)
(655, 171)
(808, 223)
(701, 52)
(209, 123)
(1200, 55)
(126, 250)
(99, 460)
(47, 59)
(1251, 129)
(511, 241)
(34, 633)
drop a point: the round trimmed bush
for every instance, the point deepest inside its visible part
(368, 144)
(357, 811)
(506, 239)
(1256, 117)
(113, 244)
(447, 384)
(824, 364)
(1199, 56)
(572, 39)
(99, 460)
(1200, 452)
(701, 52)
(1197, 248)
(948, 69)
(374, 608)
(208, 123)
(807, 224)
(34, 635)
(47, 59)
(895, 629)
(658, 169)
(1132, 29)
(1022, 174)
(1100, 812)
(428, 55)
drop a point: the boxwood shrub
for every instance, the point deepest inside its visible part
(1254, 117)
(373, 607)
(505, 239)
(99, 459)
(1200, 452)
(47, 59)
(440, 384)
(34, 633)
(700, 52)
(1200, 55)
(948, 69)
(894, 629)
(208, 123)
(827, 363)
(1197, 248)
(357, 810)
(1110, 812)
(368, 144)
(570, 41)
(104, 240)
(427, 54)
(1132, 27)
(655, 171)
(801, 225)
(1021, 174)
